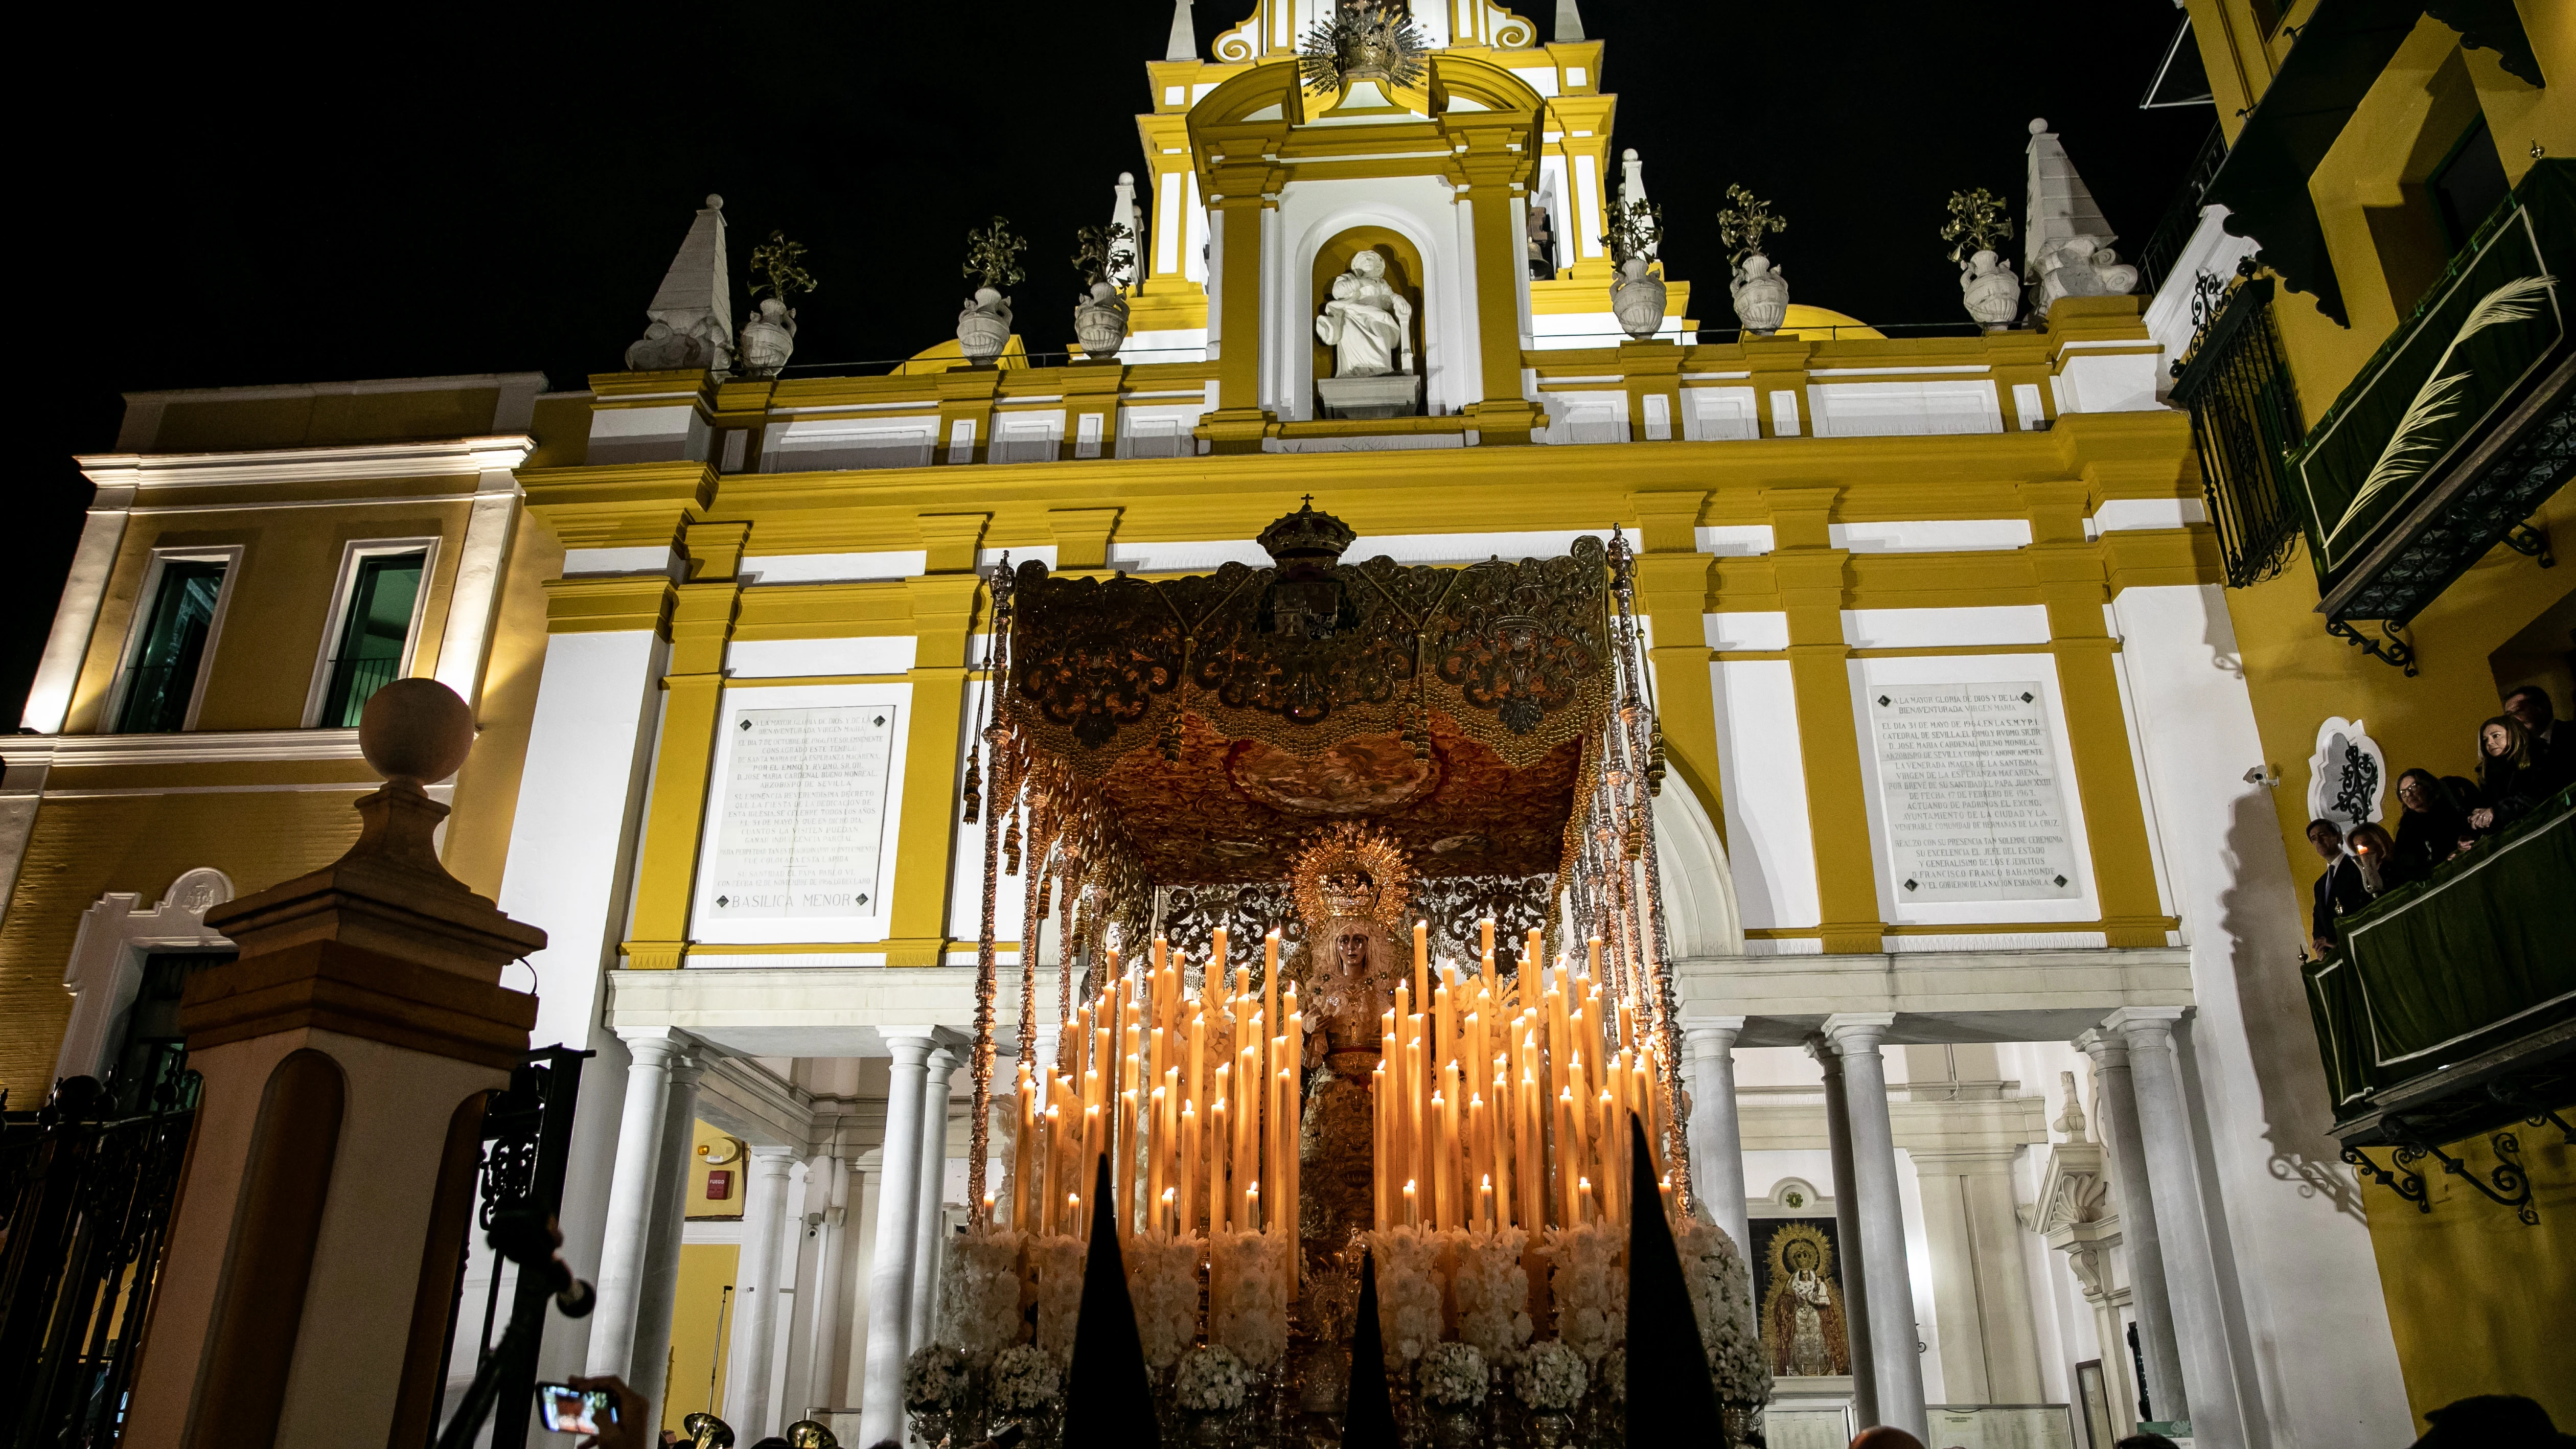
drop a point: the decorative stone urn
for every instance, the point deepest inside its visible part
(1991, 291)
(1638, 298)
(984, 328)
(1099, 320)
(2080, 266)
(1761, 295)
(768, 339)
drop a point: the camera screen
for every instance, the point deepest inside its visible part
(567, 1410)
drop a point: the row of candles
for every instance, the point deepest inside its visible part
(1481, 1120)
(1487, 1121)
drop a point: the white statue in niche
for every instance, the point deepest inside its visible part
(1368, 324)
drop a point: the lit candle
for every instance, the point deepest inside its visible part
(1073, 1216)
(1125, 1203)
(1189, 1163)
(1485, 933)
(1220, 1142)
(1569, 1158)
(1421, 959)
(1485, 1205)
(1381, 1160)
(1442, 1210)
(1155, 1137)
(1412, 1213)
(1171, 1216)
(1216, 955)
(1583, 1199)
(1055, 1144)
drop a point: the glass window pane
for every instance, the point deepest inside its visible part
(373, 635)
(164, 673)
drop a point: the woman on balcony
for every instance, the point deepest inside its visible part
(2429, 831)
(2510, 779)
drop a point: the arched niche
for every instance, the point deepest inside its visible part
(1403, 272)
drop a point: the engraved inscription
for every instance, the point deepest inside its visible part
(1968, 783)
(804, 814)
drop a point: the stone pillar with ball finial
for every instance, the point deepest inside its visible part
(346, 1059)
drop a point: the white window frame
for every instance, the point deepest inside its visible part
(137, 627)
(351, 554)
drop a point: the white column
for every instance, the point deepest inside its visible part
(1852, 1270)
(764, 1209)
(898, 1214)
(2191, 1271)
(658, 1293)
(630, 1203)
(1893, 1359)
(867, 1204)
(1716, 1139)
(2115, 1103)
(934, 1179)
(827, 1192)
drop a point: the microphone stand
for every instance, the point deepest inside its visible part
(529, 1242)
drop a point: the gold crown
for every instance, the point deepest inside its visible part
(1349, 871)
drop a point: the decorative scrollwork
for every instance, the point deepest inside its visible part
(1309, 653)
(2395, 1177)
(1455, 904)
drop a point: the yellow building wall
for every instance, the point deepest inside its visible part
(2479, 1302)
(84, 847)
(487, 788)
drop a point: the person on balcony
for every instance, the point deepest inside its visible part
(2430, 829)
(2553, 752)
(2375, 852)
(2340, 891)
(2510, 780)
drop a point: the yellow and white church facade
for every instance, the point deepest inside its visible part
(2031, 1052)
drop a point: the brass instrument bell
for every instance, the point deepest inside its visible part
(811, 1434)
(706, 1431)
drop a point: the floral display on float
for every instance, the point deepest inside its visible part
(1248, 1311)
(1026, 1382)
(1588, 1278)
(1453, 1376)
(1212, 1381)
(1163, 1284)
(1550, 1379)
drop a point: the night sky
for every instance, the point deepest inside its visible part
(257, 200)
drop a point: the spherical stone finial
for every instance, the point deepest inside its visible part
(714, 202)
(1628, 155)
(2039, 125)
(1126, 178)
(416, 730)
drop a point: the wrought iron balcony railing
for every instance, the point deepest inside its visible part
(2182, 216)
(2235, 381)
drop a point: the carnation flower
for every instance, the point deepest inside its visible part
(1551, 1379)
(979, 1294)
(1492, 1291)
(1212, 1380)
(1453, 1375)
(1590, 1287)
(1163, 1284)
(934, 1379)
(1408, 1293)
(1056, 1264)
(1247, 1298)
(1025, 1381)
(1721, 1293)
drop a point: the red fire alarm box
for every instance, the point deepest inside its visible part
(719, 1185)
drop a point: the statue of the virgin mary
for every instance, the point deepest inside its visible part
(1351, 887)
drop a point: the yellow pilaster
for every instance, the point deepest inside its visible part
(1810, 573)
(1502, 415)
(944, 607)
(1672, 592)
(702, 616)
(1238, 424)
(2072, 582)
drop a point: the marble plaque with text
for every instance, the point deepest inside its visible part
(1968, 785)
(803, 813)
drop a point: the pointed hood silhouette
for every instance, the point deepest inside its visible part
(1108, 1403)
(1670, 1397)
(1368, 1421)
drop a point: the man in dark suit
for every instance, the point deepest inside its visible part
(2551, 752)
(2340, 890)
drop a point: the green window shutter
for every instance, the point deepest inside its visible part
(163, 677)
(372, 635)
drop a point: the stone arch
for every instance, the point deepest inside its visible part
(1404, 272)
(1443, 317)
(1701, 916)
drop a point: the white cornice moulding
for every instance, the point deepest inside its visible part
(194, 747)
(446, 457)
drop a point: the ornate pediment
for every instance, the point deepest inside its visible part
(2074, 1193)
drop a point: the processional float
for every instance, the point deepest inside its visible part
(1350, 877)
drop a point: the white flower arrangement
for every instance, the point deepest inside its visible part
(1056, 1265)
(934, 1379)
(1721, 1292)
(1408, 1292)
(1247, 1297)
(1551, 1379)
(979, 1294)
(1025, 1381)
(1614, 1374)
(1212, 1380)
(1590, 1287)
(1492, 1291)
(1453, 1375)
(1163, 1284)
